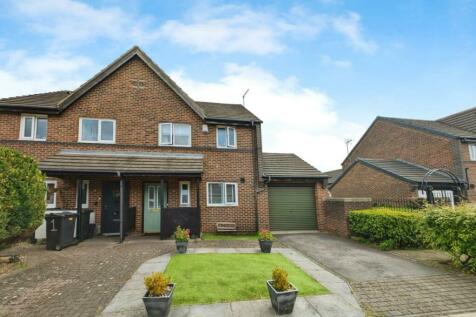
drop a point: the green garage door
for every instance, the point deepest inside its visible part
(292, 208)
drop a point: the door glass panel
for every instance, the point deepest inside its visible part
(152, 197)
(50, 195)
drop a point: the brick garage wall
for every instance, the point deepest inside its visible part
(321, 194)
(363, 181)
(336, 213)
(137, 112)
(263, 207)
(386, 140)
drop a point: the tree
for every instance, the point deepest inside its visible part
(22, 194)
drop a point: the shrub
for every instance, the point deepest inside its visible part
(22, 194)
(157, 284)
(392, 228)
(280, 280)
(182, 235)
(265, 235)
(453, 231)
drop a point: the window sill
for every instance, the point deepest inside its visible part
(171, 145)
(98, 142)
(222, 205)
(34, 140)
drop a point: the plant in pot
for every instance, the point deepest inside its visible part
(182, 236)
(282, 293)
(265, 238)
(158, 298)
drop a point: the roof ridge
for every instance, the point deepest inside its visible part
(221, 103)
(36, 94)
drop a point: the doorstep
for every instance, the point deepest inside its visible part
(340, 302)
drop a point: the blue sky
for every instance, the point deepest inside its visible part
(318, 71)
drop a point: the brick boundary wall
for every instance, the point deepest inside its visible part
(335, 216)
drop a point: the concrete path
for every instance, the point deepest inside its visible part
(387, 285)
(341, 302)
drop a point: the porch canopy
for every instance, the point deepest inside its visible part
(121, 164)
(80, 162)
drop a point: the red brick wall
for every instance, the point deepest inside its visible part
(137, 113)
(321, 194)
(386, 140)
(263, 208)
(336, 213)
(363, 181)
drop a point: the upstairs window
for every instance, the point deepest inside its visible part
(33, 127)
(222, 194)
(472, 152)
(97, 130)
(175, 134)
(226, 138)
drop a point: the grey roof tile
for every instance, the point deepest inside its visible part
(408, 171)
(290, 165)
(42, 100)
(226, 111)
(432, 126)
(465, 120)
(333, 175)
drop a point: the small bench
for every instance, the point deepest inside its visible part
(226, 227)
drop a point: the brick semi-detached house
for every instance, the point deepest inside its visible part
(135, 149)
(395, 157)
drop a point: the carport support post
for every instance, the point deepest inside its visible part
(122, 185)
(79, 208)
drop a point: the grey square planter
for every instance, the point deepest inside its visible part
(265, 245)
(181, 246)
(283, 302)
(158, 306)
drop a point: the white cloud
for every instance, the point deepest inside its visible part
(296, 119)
(327, 60)
(233, 28)
(350, 26)
(75, 22)
(22, 74)
(203, 28)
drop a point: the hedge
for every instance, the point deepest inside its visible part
(453, 231)
(22, 194)
(390, 228)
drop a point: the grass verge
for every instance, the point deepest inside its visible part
(237, 236)
(215, 278)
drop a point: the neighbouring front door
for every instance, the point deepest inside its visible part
(153, 198)
(111, 197)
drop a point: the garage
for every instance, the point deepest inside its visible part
(292, 208)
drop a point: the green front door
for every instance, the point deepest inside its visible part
(154, 198)
(292, 208)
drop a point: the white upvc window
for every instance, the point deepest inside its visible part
(222, 194)
(33, 127)
(226, 138)
(51, 186)
(97, 130)
(85, 200)
(472, 152)
(175, 134)
(184, 194)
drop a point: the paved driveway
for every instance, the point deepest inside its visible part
(80, 280)
(387, 285)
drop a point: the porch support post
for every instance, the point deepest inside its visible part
(79, 208)
(122, 208)
(197, 184)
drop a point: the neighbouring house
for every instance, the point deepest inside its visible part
(397, 158)
(136, 150)
(333, 176)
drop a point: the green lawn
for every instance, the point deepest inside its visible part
(214, 278)
(238, 236)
